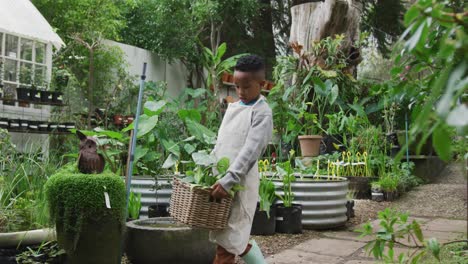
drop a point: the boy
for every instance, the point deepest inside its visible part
(243, 137)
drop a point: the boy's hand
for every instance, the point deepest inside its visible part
(218, 191)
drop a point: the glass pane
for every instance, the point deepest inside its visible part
(10, 70)
(11, 46)
(9, 91)
(39, 77)
(26, 49)
(26, 73)
(40, 52)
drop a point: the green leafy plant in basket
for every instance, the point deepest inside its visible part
(207, 171)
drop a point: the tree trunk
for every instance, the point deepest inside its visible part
(315, 21)
(90, 86)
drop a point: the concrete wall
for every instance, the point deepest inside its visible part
(174, 74)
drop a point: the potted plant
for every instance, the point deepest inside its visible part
(288, 214)
(43, 125)
(34, 94)
(389, 114)
(310, 141)
(264, 222)
(356, 168)
(88, 213)
(159, 209)
(46, 96)
(4, 122)
(22, 93)
(377, 193)
(57, 97)
(389, 185)
(118, 119)
(134, 206)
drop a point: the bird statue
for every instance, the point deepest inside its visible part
(89, 161)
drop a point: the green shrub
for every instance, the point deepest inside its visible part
(74, 197)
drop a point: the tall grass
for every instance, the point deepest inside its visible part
(22, 177)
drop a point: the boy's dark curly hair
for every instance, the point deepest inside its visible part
(250, 63)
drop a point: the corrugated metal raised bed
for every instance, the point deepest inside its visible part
(323, 201)
(144, 185)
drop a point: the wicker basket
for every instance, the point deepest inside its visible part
(195, 207)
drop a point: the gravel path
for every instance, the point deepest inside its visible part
(446, 198)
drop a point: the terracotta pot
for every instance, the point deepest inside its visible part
(310, 145)
(225, 77)
(231, 78)
(118, 119)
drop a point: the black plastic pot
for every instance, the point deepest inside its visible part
(289, 219)
(158, 210)
(4, 122)
(350, 209)
(57, 97)
(329, 142)
(15, 124)
(46, 97)
(391, 196)
(33, 125)
(34, 95)
(43, 126)
(24, 124)
(392, 139)
(23, 94)
(377, 196)
(62, 127)
(361, 185)
(262, 225)
(69, 125)
(53, 127)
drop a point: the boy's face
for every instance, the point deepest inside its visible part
(248, 85)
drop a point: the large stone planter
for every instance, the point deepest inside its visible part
(323, 201)
(26, 238)
(161, 240)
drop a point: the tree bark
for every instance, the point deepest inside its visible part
(315, 21)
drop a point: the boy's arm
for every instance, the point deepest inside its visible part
(257, 140)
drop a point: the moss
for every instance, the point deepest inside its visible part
(75, 198)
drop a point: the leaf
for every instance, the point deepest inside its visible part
(170, 161)
(199, 131)
(191, 114)
(442, 142)
(220, 51)
(204, 159)
(417, 231)
(411, 14)
(189, 148)
(108, 133)
(416, 38)
(152, 108)
(334, 94)
(171, 146)
(195, 93)
(145, 125)
(434, 247)
(458, 117)
(140, 152)
(223, 165)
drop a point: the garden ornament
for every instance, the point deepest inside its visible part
(89, 161)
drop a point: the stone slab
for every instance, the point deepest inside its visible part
(397, 251)
(360, 262)
(443, 237)
(446, 225)
(291, 256)
(347, 235)
(330, 247)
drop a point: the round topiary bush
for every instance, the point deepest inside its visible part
(87, 229)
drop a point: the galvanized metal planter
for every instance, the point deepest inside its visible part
(323, 201)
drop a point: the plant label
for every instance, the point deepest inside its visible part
(106, 197)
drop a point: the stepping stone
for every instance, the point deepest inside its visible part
(292, 256)
(446, 225)
(331, 247)
(347, 235)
